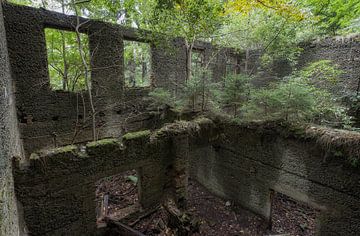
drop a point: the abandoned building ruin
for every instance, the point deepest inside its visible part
(47, 185)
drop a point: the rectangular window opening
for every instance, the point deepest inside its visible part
(231, 65)
(291, 217)
(67, 71)
(197, 62)
(117, 196)
(137, 64)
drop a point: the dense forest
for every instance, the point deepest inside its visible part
(314, 93)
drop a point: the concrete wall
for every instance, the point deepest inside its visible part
(247, 162)
(343, 51)
(48, 118)
(51, 118)
(9, 141)
(55, 204)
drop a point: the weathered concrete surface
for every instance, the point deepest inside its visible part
(248, 161)
(51, 118)
(239, 162)
(57, 190)
(9, 141)
(343, 51)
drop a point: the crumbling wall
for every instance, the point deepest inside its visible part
(343, 51)
(243, 163)
(57, 189)
(247, 162)
(54, 118)
(9, 142)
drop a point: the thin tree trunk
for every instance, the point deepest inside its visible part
(246, 60)
(189, 48)
(86, 72)
(144, 69)
(188, 64)
(63, 52)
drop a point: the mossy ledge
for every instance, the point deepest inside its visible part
(102, 142)
(136, 135)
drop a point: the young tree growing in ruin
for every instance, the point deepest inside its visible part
(191, 20)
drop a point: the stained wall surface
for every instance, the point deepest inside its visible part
(55, 204)
(55, 118)
(242, 163)
(247, 162)
(343, 51)
(9, 141)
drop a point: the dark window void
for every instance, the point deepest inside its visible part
(197, 62)
(117, 196)
(290, 217)
(67, 71)
(231, 65)
(137, 57)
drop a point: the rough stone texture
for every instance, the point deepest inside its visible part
(55, 204)
(247, 162)
(52, 118)
(343, 51)
(243, 163)
(9, 142)
(240, 162)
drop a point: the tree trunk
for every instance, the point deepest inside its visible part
(65, 84)
(189, 48)
(246, 60)
(86, 71)
(144, 70)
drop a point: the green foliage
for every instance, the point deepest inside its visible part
(161, 97)
(187, 18)
(137, 64)
(201, 92)
(334, 15)
(21, 2)
(304, 96)
(276, 36)
(322, 73)
(289, 100)
(66, 69)
(236, 91)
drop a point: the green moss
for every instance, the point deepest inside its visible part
(136, 135)
(102, 142)
(69, 148)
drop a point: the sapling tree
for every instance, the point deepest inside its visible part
(236, 91)
(299, 98)
(191, 20)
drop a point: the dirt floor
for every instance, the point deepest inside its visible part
(292, 217)
(216, 216)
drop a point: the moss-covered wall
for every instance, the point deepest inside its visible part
(248, 161)
(57, 189)
(240, 162)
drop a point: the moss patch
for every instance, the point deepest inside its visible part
(136, 135)
(102, 142)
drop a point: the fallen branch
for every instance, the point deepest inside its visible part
(121, 228)
(183, 222)
(143, 216)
